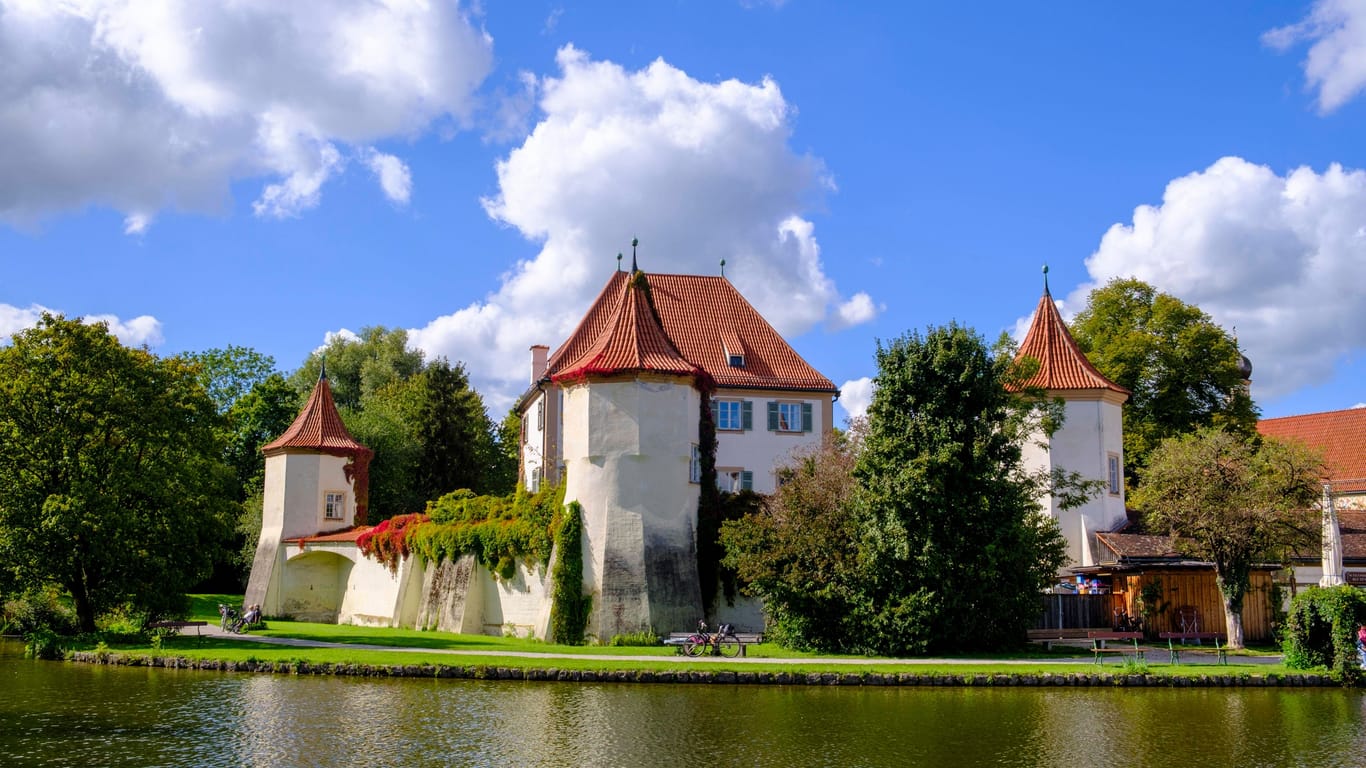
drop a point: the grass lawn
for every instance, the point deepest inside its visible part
(657, 658)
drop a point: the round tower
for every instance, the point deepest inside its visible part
(632, 406)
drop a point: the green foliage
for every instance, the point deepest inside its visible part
(111, 478)
(1321, 629)
(358, 367)
(569, 606)
(710, 511)
(43, 644)
(1150, 602)
(497, 530)
(643, 639)
(43, 607)
(799, 550)
(255, 418)
(229, 374)
(387, 426)
(388, 542)
(952, 546)
(1233, 501)
(1182, 368)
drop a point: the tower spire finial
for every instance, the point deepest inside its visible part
(1045, 280)
(723, 267)
(618, 261)
(322, 369)
(634, 243)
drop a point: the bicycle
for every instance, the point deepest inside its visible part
(721, 643)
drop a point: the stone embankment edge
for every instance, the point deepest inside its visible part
(552, 674)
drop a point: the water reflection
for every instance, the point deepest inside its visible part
(59, 714)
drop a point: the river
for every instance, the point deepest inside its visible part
(53, 714)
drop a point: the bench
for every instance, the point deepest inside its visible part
(1099, 638)
(176, 627)
(1050, 636)
(678, 639)
(1199, 637)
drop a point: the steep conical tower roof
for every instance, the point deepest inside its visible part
(1062, 366)
(631, 339)
(317, 427)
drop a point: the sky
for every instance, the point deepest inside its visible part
(268, 175)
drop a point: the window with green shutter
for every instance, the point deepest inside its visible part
(789, 416)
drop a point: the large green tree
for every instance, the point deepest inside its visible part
(358, 367)
(954, 549)
(1233, 501)
(112, 483)
(1185, 372)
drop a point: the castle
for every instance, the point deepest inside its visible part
(616, 413)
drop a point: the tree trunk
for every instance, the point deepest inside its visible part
(1233, 619)
(85, 612)
(1233, 584)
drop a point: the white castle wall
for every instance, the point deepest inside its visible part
(627, 452)
(1092, 430)
(760, 451)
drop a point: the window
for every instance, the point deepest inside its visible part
(734, 479)
(334, 505)
(787, 416)
(1116, 478)
(695, 465)
(540, 413)
(736, 361)
(533, 482)
(733, 415)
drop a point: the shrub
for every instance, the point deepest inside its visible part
(569, 606)
(42, 608)
(644, 639)
(1320, 631)
(43, 644)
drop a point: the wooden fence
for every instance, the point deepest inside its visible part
(1067, 611)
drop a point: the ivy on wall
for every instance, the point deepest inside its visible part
(569, 606)
(709, 509)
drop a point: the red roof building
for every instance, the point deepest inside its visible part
(1062, 366)
(318, 427)
(1340, 435)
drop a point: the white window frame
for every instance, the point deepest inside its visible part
(786, 410)
(334, 505)
(730, 415)
(695, 464)
(1115, 474)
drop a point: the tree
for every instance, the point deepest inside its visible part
(799, 550)
(111, 478)
(1233, 501)
(254, 419)
(953, 547)
(1184, 371)
(228, 374)
(507, 457)
(455, 433)
(358, 367)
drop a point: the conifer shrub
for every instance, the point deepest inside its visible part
(1321, 629)
(569, 606)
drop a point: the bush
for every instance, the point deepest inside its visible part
(43, 644)
(644, 639)
(43, 608)
(569, 607)
(1320, 631)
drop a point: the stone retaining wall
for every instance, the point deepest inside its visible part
(687, 676)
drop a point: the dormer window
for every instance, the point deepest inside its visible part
(736, 361)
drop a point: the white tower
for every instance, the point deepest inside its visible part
(317, 481)
(631, 415)
(1091, 439)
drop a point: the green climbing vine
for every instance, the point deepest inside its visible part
(569, 606)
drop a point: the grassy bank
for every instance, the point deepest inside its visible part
(425, 649)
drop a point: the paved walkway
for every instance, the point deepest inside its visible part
(213, 630)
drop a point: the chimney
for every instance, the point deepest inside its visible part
(539, 352)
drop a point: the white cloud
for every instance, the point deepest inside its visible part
(393, 174)
(855, 397)
(1360, 405)
(699, 171)
(144, 105)
(139, 331)
(1336, 63)
(857, 310)
(1277, 257)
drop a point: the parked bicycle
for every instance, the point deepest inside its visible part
(723, 642)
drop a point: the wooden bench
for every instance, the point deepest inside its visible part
(1220, 650)
(176, 627)
(1050, 636)
(1099, 648)
(678, 639)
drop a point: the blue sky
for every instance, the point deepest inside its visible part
(266, 176)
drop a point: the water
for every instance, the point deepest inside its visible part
(78, 715)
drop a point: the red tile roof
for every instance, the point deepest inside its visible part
(701, 317)
(1061, 363)
(1340, 435)
(630, 339)
(317, 427)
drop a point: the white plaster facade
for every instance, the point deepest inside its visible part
(760, 450)
(1091, 443)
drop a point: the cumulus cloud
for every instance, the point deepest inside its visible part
(1336, 62)
(855, 397)
(393, 174)
(143, 330)
(857, 310)
(699, 171)
(141, 106)
(1278, 257)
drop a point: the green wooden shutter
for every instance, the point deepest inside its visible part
(806, 417)
(746, 415)
(746, 481)
(772, 416)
